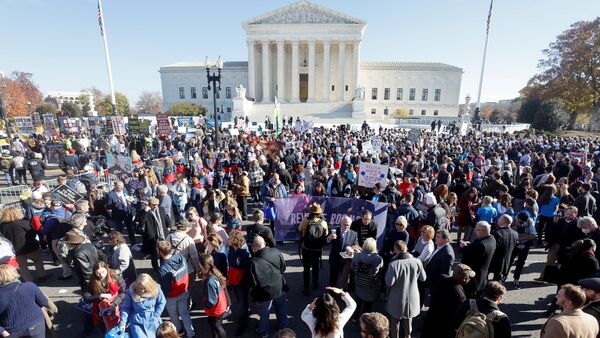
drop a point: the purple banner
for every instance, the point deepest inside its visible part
(291, 211)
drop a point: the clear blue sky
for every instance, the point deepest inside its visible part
(59, 40)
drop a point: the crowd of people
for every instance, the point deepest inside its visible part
(201, 211)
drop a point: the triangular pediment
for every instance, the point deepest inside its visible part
(304, 12)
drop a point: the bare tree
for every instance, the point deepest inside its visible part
(149, 102)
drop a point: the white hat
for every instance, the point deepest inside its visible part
(36, 195)
(430, 199)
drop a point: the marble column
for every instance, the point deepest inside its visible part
(326, 69)
(295, 72)
(356, 78)
(311, 70)
(251, 69)
(265, 70)
(341, 69)
(280, 71)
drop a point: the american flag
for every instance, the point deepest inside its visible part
(489, 19)
(100, 20)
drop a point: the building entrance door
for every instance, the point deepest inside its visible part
(303, 87)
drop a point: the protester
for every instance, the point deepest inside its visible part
(572, 321)
(366, 266)
(313, 231)
(323, 315)
(20, 304)
(105, 291)
(344, 243)
(268, 285)
(238, 259)
(492, 295)
(121, 260)
(506, 241)
(478, 255)
(403, 294)
(374, 325)
(142, 307)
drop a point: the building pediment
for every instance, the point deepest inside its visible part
(304, 12)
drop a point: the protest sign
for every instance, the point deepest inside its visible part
(163, 126)
(234, 132)
(24, 125)
(367, 147)
(56, 152)
(37, 119)
(291, 211)
(145, 126)
(119, 164)
(118, 124)
(134, 124)
(377, 143)
(66, 195)
(185, 121)
(371, 173)
(61, 118)
(414, 135)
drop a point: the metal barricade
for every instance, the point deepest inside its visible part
(11, 194)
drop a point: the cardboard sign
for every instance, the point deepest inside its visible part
(24, 125)
(49, 125)
(118, 124)
(134, 124)
(367, 147)
(66, 195)
(414, 135)
(370, 173)
(163, 126)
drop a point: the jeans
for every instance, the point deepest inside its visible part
(178, 307)
(264, 309)
(37, 330)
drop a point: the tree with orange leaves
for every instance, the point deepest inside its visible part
(13, 98)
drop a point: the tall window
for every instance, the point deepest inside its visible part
(411, 94)
(424, 94)
(438, 95)
(411, 112)
(373, 93)
(181, 93)
(229, 109)
(204, 93)
(436, 112)
(373, 111)
(227, 92)
(399, 93)
(386, 94)
(386, 111)
(423, 112)
(193, 92)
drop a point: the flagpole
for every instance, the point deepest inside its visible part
(110, 79)
(487, 36)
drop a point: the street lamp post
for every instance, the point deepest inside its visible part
(214, 84)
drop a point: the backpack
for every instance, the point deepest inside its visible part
(478, 325)
(63, 249)
(313, 236)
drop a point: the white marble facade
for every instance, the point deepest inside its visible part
(308, 57)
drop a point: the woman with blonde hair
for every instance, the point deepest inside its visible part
(20, 306)
(366, 266)
(424, 246)
(214, 299)
(144, 303)
(18, 231)
(235, 218)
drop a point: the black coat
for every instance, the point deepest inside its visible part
(83, 258)
(586, 204)
(151, 224)
(446, 297)
(21, 235)
(439, 265)
(370, 230)
(506, 240)
(266, 275)
(261, 230)
(478, 256)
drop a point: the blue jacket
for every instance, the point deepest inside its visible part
(173, 276)
(212, 288)
(20, 303)
(143, 316)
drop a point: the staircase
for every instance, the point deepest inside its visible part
(326, 112)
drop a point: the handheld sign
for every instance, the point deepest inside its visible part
(66, 195)
(370, 173)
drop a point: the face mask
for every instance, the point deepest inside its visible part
(586, 231)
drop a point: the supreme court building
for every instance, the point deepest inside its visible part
(308, 57)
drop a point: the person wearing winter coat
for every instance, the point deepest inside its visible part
(403, 293)
(366, 266)
(121, 261)
(143, 304)
(238, 258)
(184, 245)
(174, 282)
(214, 300)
